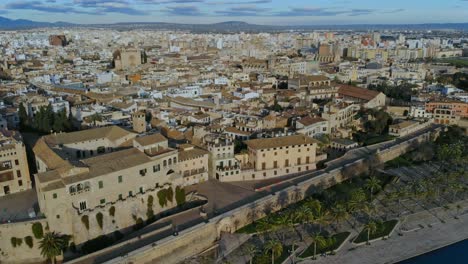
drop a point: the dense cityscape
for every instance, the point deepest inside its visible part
(232, 143)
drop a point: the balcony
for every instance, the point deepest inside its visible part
(194, 172)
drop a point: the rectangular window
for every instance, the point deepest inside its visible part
(120, 179)
(141, 189)
(54, 196)
(143, 172)
(298, 161)
(18, 173)
(263, 165)
(275, 164)
(156, 168)
(101, 184)
(286, 163)
(307, 159)
(83, 205)
(102, 201)
(120, 197)
(16, 162)
(130, 193)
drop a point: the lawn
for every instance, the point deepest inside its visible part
(337, 239)
(266, 257)
(457, 62)
(339, 193)
(383, 229)
(377, 139)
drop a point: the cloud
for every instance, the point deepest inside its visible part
(360, 12)
(171, 1)
(182, 11)
(242, 11)
(38, 6)
(240, 3)
(394, 11)
(323, 12)
(110, 6)
(310, 11)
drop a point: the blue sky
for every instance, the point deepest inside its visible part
(272, 12)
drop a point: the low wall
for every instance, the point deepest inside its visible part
(21, 253)
(191, 241)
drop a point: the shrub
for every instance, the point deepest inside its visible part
(112, 211)
(150, 200)
(170, 194)
(139, 224)
(162, 198)
(96, 244)
(118, 235)
(85, 221)
(149, 213)
(29, 241)
(37, 230)
(99, 218)
(13, 241)
(19, 241)
(180, 195)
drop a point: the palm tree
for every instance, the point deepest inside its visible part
(263, 225)
(95, 117)
(321, 217)
(283, 221)
(317, 239)
(52, 245)
(371, 228)
(275, 247)
(372, 184)
(304, 215)
(339, 213)
(250, 250)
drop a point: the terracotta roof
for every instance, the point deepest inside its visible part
(192, 154)
(150, 139)
(357, 92)
(307, 121)
(111, 132)
(236, 131)
(266, 143)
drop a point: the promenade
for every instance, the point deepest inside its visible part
(398, 248)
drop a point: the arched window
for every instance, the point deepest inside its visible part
(170, 161)
(169, 172)
(79, 187)
(72, 189)
(87, 185)
(165, 163)
(175, 160)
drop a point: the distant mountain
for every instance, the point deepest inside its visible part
(226, 27)
(6, 23)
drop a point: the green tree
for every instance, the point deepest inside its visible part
(371, 228)
(52, 245)
(94, 118)
(250, 250)
(23, 117)
(339, 213)
(180, 195)
(100, 219)
(372, 184)
(37, 230)
(317, 239)
(275, 248)
(29, 241)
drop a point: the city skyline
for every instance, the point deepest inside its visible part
(268, 12)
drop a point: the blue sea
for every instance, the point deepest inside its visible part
(453, 254)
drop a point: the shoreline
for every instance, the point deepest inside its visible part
(400, 248)
(435, 249)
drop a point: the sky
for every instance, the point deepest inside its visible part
(267, 12)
